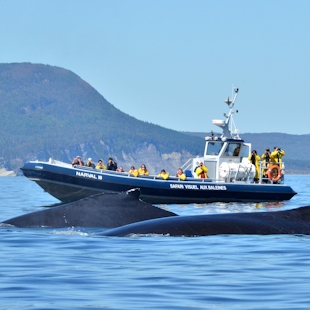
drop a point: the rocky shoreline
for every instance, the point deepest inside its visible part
(6, 173)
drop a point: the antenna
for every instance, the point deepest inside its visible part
(233, 129)
(228, 124)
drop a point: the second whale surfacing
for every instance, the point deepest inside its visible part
(296, 221)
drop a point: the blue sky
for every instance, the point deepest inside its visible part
(173, 63)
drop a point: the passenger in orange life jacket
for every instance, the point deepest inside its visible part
(201, 170)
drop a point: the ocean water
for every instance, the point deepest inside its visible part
(73, 268)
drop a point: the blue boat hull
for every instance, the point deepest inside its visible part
(69, 184)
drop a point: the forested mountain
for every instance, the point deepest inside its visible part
(48, 112)
(51, 112)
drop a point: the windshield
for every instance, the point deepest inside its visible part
(233, 149)
(214, 148)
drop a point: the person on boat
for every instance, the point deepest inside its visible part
(163, 174)
(181, 175)
(112, 165)
(90, 163)
(133, 171)
(77, 161)
(236, 151)
(254, 159)
(201, 171)
(266, 160)
(120, 169)
(143, 171)
(100, 165)
(276, 156)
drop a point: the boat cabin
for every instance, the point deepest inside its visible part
(219, 151)
(225, 155)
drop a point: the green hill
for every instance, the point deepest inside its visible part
(51, 112)
(48, 112)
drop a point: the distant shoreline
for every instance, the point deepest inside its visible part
(6, 173)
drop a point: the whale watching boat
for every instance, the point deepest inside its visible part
(230, 175)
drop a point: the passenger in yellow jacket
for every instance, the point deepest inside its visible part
(100, 165)
(254, 159)
(133, 171)
(201, 171)
(163, 174)
(142, 170)
(266, 160)
(276, 156)
(181, 175)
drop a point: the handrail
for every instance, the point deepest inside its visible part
(266, 167)
(187, 165)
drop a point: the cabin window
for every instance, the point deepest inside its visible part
(214, 148)
(245, 150)
(233, 149)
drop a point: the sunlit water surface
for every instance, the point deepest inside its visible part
(74, 268)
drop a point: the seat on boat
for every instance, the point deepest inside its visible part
(188, 173)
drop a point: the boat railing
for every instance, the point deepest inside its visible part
(59, 163)
(246, 173)
(152, 177)
(271, 172)
(125, 174)
(187, 165)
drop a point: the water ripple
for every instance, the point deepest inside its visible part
(75, 269)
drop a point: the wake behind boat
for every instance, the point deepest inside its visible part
(230, 176)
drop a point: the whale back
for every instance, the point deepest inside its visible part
(102, 210)
(296, 221)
